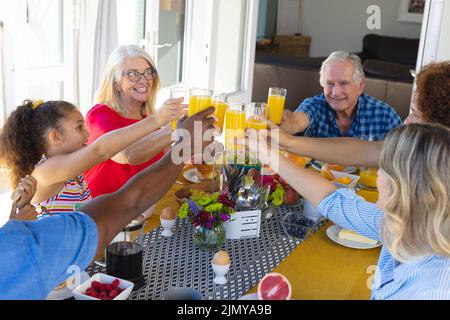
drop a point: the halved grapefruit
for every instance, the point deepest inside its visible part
(274, 286)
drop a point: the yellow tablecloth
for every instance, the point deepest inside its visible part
(317, 269)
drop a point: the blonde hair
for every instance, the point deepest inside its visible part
(416, 160)
(112, 76)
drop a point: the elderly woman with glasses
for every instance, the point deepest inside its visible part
(127, 94)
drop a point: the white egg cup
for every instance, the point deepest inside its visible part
(167, 225)
(220, 271)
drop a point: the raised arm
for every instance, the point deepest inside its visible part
(343, 151)
(60, 168)
(146, 148)
(112, 212)
(343, 207)
(294, 122)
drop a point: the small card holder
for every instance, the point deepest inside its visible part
(243, 224)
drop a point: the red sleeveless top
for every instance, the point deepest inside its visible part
(109, 175)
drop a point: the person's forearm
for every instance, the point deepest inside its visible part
(289, 125)
(115, 141)
(309, 184)
(112, 212)
(147, 148)
(343, 151)
(294, 122)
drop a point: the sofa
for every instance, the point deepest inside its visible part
(389, 58)
(387, 73)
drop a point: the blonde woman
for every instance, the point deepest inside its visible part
(127, 94)
(411, 217)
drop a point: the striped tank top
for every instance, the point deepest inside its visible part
(73, 195)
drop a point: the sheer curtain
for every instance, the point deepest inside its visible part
(96, 39)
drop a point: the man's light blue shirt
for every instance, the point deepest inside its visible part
(373, 120)
(35, 255)
(423, 279)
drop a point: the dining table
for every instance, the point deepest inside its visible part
(318, 268)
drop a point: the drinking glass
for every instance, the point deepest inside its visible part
(368, 176)
(256, 115)
(275, 102)
(175, 93)
(234, 128)
(200, 99)
(218, 101)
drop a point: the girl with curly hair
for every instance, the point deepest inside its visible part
(49, 142)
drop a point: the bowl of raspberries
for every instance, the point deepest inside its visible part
(103, 287)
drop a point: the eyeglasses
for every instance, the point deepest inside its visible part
(135, 76)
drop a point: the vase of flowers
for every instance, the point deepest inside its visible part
(209, 239)
(207, 213)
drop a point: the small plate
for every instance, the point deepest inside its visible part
(316, 164)
(333, 234)
(192, 175)
(65, 292)
(250, 296)
(341, 174)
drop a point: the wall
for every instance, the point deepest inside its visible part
(289, 16)
(341, 24)
(444, 41)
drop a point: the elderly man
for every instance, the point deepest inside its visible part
(431, 104)
(342, 110)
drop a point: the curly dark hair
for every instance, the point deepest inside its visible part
(24, 137)
(433, 92)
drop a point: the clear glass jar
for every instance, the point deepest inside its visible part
(209, 239)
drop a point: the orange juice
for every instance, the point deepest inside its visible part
(173, 123)
(256, 123)
(275, 105)
(235, 121)
(368, 177)
(234, 128)
(198, 103)
(221, 107)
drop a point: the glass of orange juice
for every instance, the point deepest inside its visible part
(256, 115)
(368, 176)
(234, 129)
(218, 101)
(275, 103)
(200, 99)
(175, 93)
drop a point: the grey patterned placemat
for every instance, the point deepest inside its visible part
(177, 261)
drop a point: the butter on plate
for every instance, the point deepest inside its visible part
(346, 234)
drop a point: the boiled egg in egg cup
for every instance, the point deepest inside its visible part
(168, 218)
(220, 264)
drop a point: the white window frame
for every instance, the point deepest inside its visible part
(65, 71)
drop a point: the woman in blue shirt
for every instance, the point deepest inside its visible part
(411, 217)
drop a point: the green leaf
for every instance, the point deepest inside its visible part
(184, 211)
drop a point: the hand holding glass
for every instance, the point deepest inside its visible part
(275, 102)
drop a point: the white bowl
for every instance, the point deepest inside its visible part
(353, 179)
(125, 285)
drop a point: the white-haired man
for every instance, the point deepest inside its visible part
(342, 110)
